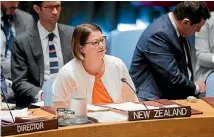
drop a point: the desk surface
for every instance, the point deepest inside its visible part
(201, 125)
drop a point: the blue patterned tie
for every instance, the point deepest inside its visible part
(8, 31)
(54, 67)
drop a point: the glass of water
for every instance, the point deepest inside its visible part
(79, 105)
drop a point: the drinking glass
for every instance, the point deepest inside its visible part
(78, 104)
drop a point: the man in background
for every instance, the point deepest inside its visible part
(39, 53)
(161, 67)
(13, 23)
(204, 44)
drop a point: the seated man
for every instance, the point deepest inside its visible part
(161, 67)
(40, 52)
(13, 23)
(204, 44)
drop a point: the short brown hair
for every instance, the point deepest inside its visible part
(80, 35)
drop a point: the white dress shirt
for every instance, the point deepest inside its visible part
(43, 33)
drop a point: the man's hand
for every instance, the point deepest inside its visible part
(201, 85)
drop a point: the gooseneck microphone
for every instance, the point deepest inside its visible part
(8, 106)
(124, 81)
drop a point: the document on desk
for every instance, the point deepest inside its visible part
(6, 116)
(129, 106)
(39, 104)
(171, 106)
(108, 116)
(96, 108)
(5, 107)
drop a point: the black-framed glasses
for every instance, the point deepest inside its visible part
(51, 8)
(97, 42)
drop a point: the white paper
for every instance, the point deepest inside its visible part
(5, 115)
(39, 104)
(4, 106)
(108, 116)
(96, 108)
(129, 106)
(213, 58)
(171, 106)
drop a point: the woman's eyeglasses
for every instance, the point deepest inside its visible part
(97, 42)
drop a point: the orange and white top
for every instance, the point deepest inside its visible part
(101, 89)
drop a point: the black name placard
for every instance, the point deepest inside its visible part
(161, 113)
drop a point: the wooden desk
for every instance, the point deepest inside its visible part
(195, 126)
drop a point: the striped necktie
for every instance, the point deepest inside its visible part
(54, 67)
(7, 19)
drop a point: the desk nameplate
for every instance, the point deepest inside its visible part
(28, 127)
(162, 113)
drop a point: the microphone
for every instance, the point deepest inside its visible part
(8, 106)
(124, 81)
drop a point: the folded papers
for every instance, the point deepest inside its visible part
(96, 108)
(5, 107)
(6, 116)
(129, 106)
(108, 116)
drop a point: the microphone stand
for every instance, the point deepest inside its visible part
(124, 81)
(8, 107)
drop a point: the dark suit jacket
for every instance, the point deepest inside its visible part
(28, 62)
(158, 66)
(3, 86)
(22, 21)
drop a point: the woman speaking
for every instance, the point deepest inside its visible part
(93, 70)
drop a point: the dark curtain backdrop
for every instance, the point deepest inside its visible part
(107, 14)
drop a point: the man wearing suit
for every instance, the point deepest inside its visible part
(161, 66)
(40, 52)
(13, 23)
(204, 44)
